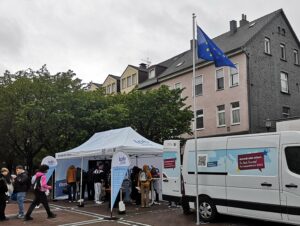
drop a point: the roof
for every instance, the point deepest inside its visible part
(106, 143)
(228, 42)
(112, 76)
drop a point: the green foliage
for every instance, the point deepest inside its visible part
(41, 114)
(159, 114)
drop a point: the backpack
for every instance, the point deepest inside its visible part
(154, 172)
(143, 176)
(37, 183)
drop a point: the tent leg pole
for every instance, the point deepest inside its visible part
(81, 202)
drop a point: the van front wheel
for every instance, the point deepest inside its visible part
(207, 209)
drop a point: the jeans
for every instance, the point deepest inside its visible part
(20, 201)
(72, 191)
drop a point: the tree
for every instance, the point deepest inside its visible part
(159, 114)
(30, 105)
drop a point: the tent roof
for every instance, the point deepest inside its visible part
(107, 142)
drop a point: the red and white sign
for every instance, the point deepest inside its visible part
(251, 161)
(170, 163)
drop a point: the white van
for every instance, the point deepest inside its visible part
(255, 176)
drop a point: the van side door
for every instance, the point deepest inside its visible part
(253, 176)
(291, 181)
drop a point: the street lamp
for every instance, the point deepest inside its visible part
(268, 124)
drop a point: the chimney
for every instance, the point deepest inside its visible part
(233, 26)
(244, 20)
(143, 66)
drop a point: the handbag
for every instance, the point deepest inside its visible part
(10, 188)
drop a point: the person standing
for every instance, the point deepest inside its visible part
(20, 188)
(90, 184)
(40, 188)
(99, 178)
(144, 184)
(3, 190)
(9, 181)
(71, 181)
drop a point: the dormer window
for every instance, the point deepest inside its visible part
(151, 73)
(180, 63)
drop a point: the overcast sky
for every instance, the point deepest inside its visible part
(95, 38)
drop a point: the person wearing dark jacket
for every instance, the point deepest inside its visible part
(90, 184)
(40, 188)
(21, 187)
(3, 190)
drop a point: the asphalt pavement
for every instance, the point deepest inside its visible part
(69, 214)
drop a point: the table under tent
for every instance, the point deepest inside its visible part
(101, 147)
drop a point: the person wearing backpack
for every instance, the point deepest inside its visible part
(144, 184)
(20, 188)
(40, 188)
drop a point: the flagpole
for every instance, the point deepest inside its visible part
(195, 123)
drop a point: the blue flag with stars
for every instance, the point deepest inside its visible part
(208, 50)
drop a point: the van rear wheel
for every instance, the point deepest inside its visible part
(207, 209)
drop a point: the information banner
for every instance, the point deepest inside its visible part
(52, 163)
(119, 168)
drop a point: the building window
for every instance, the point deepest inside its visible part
(113, 88)
(267, 46)
(199, 119)
(199, 85)
(151, 73)
(283, 31)
(234, 76)
(282, 52)
(108, 89)
(129, 81)
(296, 57)
(284, 82)
(177, 85)
(285, 112)
(235, 113)
(220, 79)
(221, 115)
(123, 83)
(134, 79)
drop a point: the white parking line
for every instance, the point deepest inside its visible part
(99, 217)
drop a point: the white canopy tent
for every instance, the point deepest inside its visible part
(107, 142)
(103, 145)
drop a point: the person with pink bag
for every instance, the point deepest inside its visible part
(40, 189)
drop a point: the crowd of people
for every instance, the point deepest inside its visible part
(15, 187)
(136, 186)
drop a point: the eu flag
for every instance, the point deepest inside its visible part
(208, 50)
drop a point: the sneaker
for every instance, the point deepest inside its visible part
(38, 206)
(20, 216)
(53, 215)
(99, 202)
(28, 218)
